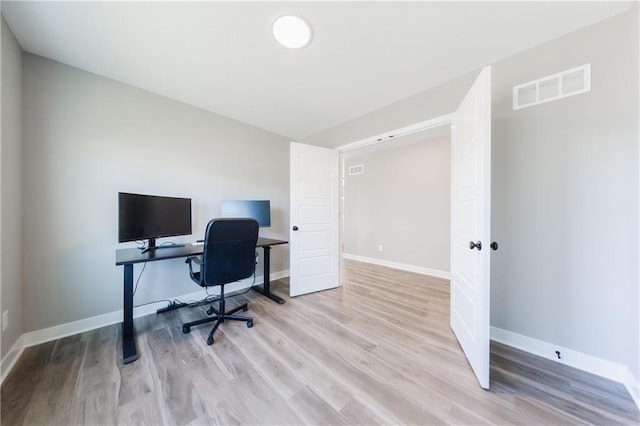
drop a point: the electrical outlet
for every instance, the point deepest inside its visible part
(379, 247)
(5, 320)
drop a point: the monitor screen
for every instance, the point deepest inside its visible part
(142, 217)
(259, 210)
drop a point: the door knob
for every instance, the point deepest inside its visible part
(295, 228)
(494, 246)
(477, 245)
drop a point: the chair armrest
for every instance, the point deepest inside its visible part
(195, 259)
(190, 260)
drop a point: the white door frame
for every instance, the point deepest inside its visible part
(403, 131)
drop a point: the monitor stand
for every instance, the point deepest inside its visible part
(152, 246)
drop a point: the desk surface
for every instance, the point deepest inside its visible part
(135, 255)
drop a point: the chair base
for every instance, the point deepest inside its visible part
(219, 318)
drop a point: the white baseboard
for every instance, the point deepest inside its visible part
(402, 266)
(10, 359)
(633, 386)
(57, 332)
(598, 366)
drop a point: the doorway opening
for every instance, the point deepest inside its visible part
(395, 200)
(470, 218)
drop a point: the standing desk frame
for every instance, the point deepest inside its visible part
(131, 256)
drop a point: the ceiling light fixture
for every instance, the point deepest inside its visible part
(292, 31)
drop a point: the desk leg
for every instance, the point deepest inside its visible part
(266, 287)
(129, 353)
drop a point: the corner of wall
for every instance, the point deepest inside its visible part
(10, 188)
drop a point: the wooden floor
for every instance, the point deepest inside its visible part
(378, 350)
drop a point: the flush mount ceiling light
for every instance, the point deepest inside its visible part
(292, 31)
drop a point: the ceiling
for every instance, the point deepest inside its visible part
(221, 56)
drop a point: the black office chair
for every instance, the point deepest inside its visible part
(229, 255)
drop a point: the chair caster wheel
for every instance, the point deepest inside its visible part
(210, 340)
(186, 329)
(249, 324)
(245, 308)
(210, 310)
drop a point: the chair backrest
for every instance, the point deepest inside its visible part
(229, 250)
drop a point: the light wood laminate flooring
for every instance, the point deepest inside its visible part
(377, 350)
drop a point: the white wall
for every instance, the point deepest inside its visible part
(565, 191)
(566, 198)
(86, 138)
(402, 202)
(10, 166)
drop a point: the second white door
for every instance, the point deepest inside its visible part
(314, 234)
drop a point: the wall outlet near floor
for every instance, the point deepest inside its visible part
(379, 247)
(5, 320)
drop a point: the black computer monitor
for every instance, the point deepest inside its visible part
(147, 217)
(259, 210)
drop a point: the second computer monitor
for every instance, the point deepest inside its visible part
(259, 210)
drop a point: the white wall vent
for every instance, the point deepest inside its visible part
(552, 87)
(356, 170)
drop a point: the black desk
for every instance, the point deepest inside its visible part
(131, 256)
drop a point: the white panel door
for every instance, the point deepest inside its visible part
(314, 234)
(470, 224)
